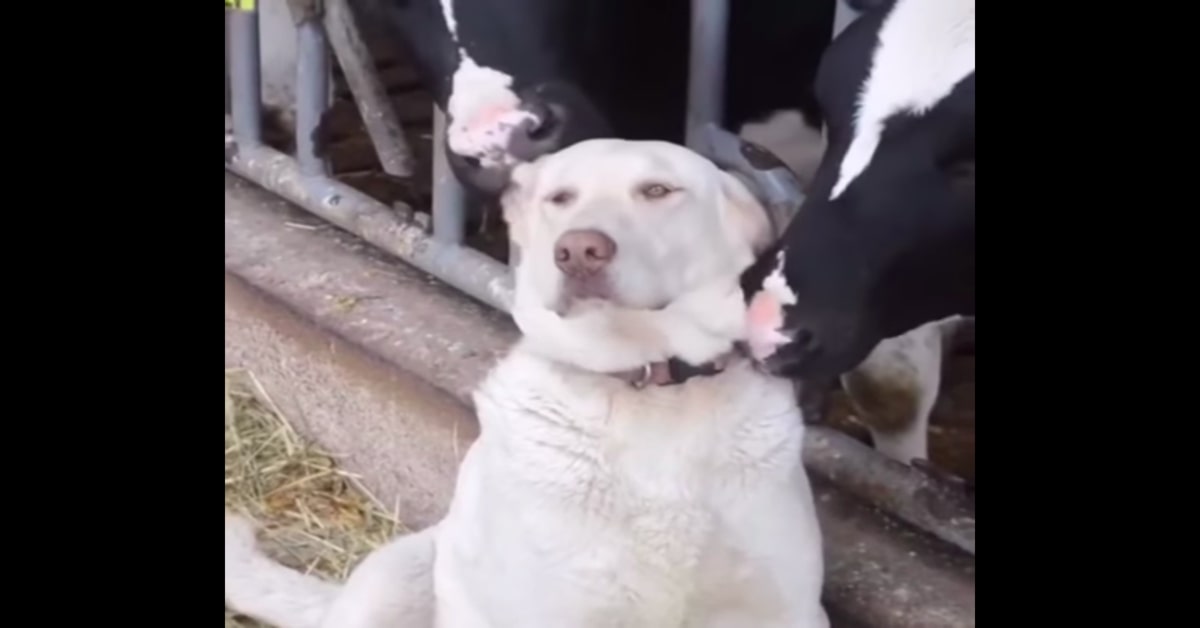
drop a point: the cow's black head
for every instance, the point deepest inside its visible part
(886, 239)
(504, 72)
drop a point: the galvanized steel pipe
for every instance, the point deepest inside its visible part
(467, 270)
(312, 93)
(245, 82)
(706, 67)
(449, 201)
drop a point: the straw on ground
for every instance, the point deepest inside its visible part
(312, 515)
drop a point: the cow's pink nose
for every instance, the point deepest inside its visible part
(582, 252)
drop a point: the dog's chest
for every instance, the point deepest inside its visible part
(636, 491)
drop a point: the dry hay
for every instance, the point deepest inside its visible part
(312, 516)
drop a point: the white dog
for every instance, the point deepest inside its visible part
(607, 488)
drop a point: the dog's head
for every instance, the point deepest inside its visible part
(632, 223)
(616, 225)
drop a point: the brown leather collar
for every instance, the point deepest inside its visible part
(671, 372)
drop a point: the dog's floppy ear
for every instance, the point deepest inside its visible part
(744, 214)
(517, 200)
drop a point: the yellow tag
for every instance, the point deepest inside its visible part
(240, 5)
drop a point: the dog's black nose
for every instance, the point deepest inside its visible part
(583, 252)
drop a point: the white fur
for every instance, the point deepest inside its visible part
(764, 339)
(925, 48)
(776, 285)
(448, 15)
(658, 262)
(483, 113)
(586, 502)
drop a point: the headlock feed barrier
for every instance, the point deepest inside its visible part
(871, 561)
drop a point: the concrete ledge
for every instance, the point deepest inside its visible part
(376, 361)
(345, 342)
(404, 316)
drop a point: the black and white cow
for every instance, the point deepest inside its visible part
(877, 270)
(523, 78)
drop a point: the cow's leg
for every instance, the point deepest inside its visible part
(894, 389)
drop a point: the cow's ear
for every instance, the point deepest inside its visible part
(746, 216)
(517, 200)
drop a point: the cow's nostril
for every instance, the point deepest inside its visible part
(544, 126)
(803, 339)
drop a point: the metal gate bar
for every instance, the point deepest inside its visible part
(449, 200)
(706, 67)
(312, 93)
(466, 269)
(245, 85)
(374, 106)
(842, 17)
(854, 467)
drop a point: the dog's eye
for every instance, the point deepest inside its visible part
(561, 197)
(655, 191)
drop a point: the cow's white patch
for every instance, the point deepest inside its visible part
(788, 135)
(776, 284)
(925, 48)
(765, 317)
(483, 110)
(448, 14)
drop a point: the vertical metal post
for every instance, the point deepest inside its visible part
(312, 93)
(842, 17)
(228, 97)
(706, 67)
(449, 213)
(244, 72)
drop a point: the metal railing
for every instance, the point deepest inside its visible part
(304, 180)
